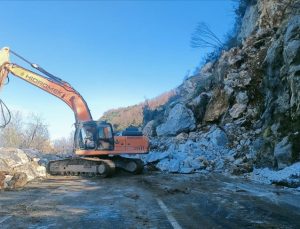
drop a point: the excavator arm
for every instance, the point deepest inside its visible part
(50, 84)
(94, 141)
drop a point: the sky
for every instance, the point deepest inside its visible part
(115, 53)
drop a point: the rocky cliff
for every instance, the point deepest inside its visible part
(241, 112)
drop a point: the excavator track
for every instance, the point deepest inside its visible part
(93, 166)
(82, 167)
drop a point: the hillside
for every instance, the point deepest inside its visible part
(240, 112)
(136, 115)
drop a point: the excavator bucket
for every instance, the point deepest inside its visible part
(4, 59)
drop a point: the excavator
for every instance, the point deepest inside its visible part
(97, 151)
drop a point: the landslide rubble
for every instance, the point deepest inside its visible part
(18, 167)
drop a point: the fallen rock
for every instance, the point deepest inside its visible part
(13, 157)
(169, 165)
(7, 180)
(18, 168)
(242, 168)
(2, 180)
(181, 138)
(201, 82)
(289, 176)
(156, 156)
(186, 170)
(18, 180)
(149, 129)
(42, 158)
(180, 119)
(218, 137)
(3, 165)
(207, 152)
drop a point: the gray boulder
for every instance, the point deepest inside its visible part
(18, 180)
(149, 129)
(17, 168)
(12, 157)
(169, 165)
(156, 156)
(180, 119)
(218, 137)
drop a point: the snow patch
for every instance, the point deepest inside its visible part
(289, 176)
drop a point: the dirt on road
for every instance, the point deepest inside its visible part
(152, 200)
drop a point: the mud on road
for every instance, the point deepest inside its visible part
(152, 200)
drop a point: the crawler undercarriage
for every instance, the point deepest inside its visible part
(94, 166)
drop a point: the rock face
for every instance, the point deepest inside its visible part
(217, 106)
(283, 153)
(291, 56)
(198, 106)
(249, 22)
(241, 111)
(200, 83)
(17, 168)
(282, 93)
(237, 109)
(273, 12)
(251, 92)
(180, 119)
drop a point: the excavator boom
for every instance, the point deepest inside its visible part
(93, 140)
(56, 87)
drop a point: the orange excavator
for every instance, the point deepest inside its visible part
(98, 152)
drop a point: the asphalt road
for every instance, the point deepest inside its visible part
(152, 200)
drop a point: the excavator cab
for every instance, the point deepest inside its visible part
(94, 135)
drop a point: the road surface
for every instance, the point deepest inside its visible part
(152, 200)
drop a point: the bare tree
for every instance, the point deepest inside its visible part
(36, 133)
(204, 37)
(11, 135)
(64, 145)
(30, 134)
